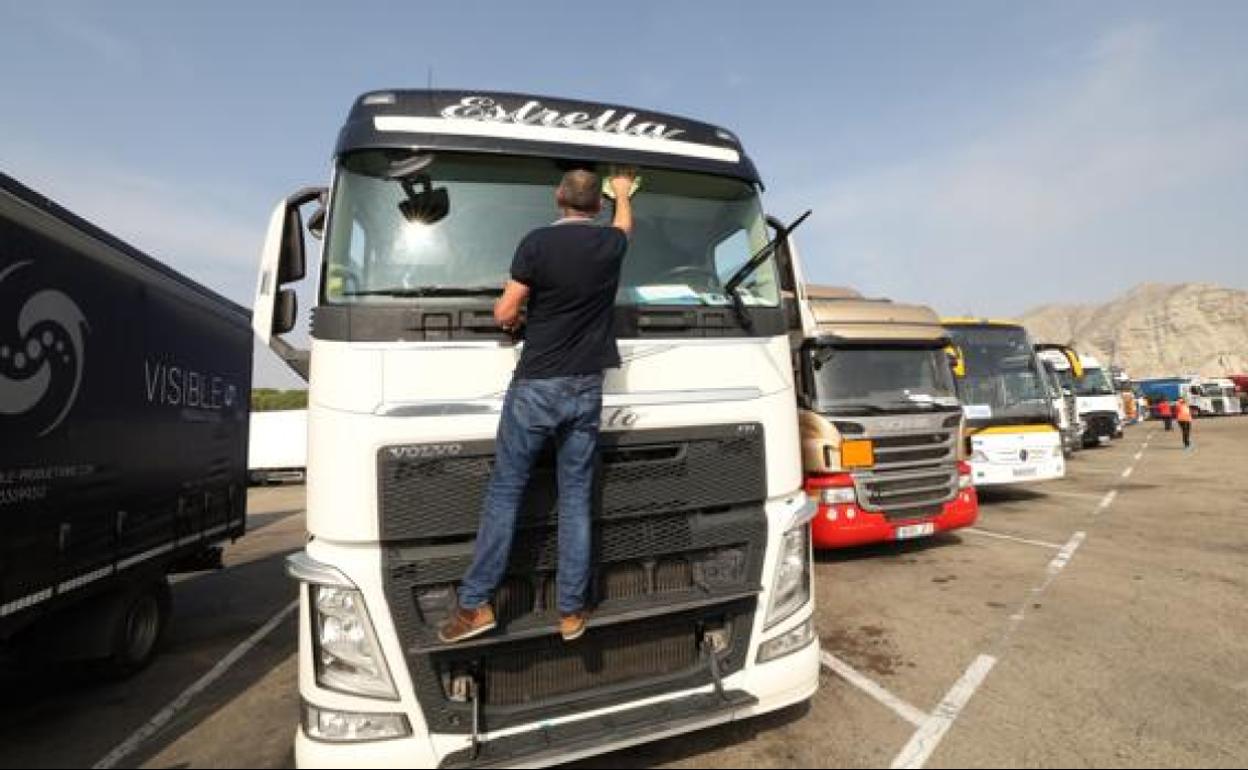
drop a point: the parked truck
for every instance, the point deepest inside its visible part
(1188, 387)
(880, 421)
(1223, 395)
(1240, 381)
(277, 449)
(1100, 406)
(123, 411)
(1062, 367)
(702, 591)
(1011, 427)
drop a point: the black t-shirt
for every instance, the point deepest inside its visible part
(572, 270)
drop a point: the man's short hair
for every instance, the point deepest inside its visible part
(581, 191)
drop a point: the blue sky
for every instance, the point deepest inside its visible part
(981, 157)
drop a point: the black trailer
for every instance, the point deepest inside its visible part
(124, 399)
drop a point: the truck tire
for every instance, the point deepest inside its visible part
(138, 627)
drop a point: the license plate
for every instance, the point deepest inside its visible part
(1022, 473)
(911, 531)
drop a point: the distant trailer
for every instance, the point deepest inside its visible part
(124, 393)
(278, 447)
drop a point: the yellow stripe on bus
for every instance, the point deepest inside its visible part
(1012, 429)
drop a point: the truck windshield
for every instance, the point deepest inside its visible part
(1094, 383)
(884, 379)
(1003, 381)
(692, 232)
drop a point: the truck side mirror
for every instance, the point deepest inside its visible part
(292, 262)
(282, 261)
(286, 311)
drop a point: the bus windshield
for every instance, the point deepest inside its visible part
(1003, 381)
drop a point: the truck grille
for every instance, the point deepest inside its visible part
(680, 534)
(914, 475)
(907, 494)
(1100, 423)
(549, 668)
(892, 452)
(422, 494)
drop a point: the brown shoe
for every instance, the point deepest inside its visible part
(572, 627)
(465, 624)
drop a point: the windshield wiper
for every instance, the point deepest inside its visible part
(429, 291)
(752, 264)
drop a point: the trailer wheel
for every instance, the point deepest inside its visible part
(138, 627)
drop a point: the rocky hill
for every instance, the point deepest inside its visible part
(1155, 329)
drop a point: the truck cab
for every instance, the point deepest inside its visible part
(702, 597)
(880, 420)
(1062, 368)
(1100, 406)
(1223, 395)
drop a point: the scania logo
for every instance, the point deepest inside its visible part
(899, 424)
(425, 451)
(1023, 455)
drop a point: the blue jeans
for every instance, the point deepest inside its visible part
(567, 410)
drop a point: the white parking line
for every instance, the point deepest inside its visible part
(153, 725)
(1106, 501)
(1013, 538)
(927, 737)
(1140, 453)
(1126, 474)
(1071, 495)
(911, 714)
(919, 748)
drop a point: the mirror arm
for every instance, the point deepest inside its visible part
(296, 358)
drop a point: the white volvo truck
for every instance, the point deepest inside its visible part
(702, 593)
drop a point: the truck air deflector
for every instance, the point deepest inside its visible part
(541, 126)
(557, 135)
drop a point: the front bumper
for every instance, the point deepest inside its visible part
(759, 689)
(833, 527)
(989, 474)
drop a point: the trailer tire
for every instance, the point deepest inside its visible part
(139, 623)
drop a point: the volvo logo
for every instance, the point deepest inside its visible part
(425, 451)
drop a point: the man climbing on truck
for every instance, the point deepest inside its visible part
(569, 273)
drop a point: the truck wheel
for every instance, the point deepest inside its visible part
(139, 622)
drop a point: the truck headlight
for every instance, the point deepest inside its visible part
(835, 495)
(347, 655)
(788, 642)
(346, 726)
(791, 590)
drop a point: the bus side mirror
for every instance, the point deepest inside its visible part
(956, 361)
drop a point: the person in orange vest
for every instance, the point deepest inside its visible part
(1165, 413)
(1183, 414)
